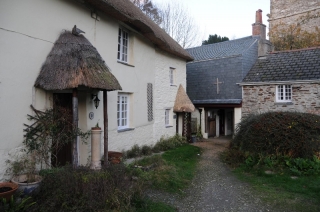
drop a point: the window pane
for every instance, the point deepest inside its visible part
(123, 39)
(167, 116)
(288, 92)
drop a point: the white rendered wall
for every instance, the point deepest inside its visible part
(28, 31)
(237, 117)
(164, 93)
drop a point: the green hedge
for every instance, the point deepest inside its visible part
(290, 134)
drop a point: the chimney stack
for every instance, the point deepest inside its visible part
(258, 28)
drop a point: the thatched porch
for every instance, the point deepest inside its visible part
(73, 64)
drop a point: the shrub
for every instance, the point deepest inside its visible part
(169, 143)
(67, 189)
(135, 151)
(164, 144)
(146, 150)
(301, 166)
(279, 133)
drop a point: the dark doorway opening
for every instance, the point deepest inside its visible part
(221, 122)
(64, 154)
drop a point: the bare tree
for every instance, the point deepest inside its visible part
(149, 9)
(296, 35)
(175, 19)
(178, 23)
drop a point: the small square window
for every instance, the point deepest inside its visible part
(123, 43)
(284, 93)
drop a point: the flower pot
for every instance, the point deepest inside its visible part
(114, 157)
(24, 186)
(193, 139)
(7, 193)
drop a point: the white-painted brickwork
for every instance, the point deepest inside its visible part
(260, 99)
(119, 141)
(164, 93)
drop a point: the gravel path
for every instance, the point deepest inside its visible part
(214, 188)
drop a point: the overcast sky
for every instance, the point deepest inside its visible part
(230, 18)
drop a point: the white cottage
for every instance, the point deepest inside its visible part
(147, 64)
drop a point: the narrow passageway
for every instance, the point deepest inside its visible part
(214, 187)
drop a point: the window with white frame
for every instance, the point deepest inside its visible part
(123, 111)
(167, 117)
(123, 44)
(172, 73)
(284, 93)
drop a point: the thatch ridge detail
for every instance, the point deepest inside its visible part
(183, 102)
(74, 62)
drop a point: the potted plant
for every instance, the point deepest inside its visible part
(24, 173)
(96, 127)
(49, 132)
(7, 189)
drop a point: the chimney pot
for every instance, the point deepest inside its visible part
(258, 28)
(259, 16)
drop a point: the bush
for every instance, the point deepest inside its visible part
(169, 143)
(164, 144)
(279, 133)
(135, 151)
(301, 166)
(146, 150)
(82, 189)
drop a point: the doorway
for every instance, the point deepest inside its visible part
(63, 155)
(221, 122)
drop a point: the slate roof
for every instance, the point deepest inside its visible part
(302, 64)
(226, 62)
(222, 49)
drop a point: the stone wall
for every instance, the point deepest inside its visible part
(289, 11)
(261, 98)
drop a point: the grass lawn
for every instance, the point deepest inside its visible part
(300, 194)
(172, 172)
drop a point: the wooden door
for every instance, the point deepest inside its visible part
(64, 154)
(212, 127)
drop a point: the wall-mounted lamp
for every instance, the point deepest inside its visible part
(96, 100)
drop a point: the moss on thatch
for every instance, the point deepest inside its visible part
(74, 62)
(182, 102)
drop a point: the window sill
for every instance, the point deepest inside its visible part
(124, 63)
(283, 103)
(126, 129)
(168, 126)
(173, 85)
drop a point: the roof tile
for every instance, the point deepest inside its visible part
(303, 64)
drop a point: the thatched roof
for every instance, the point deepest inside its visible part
(182, 103)
(74, 62)
(126, 12)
